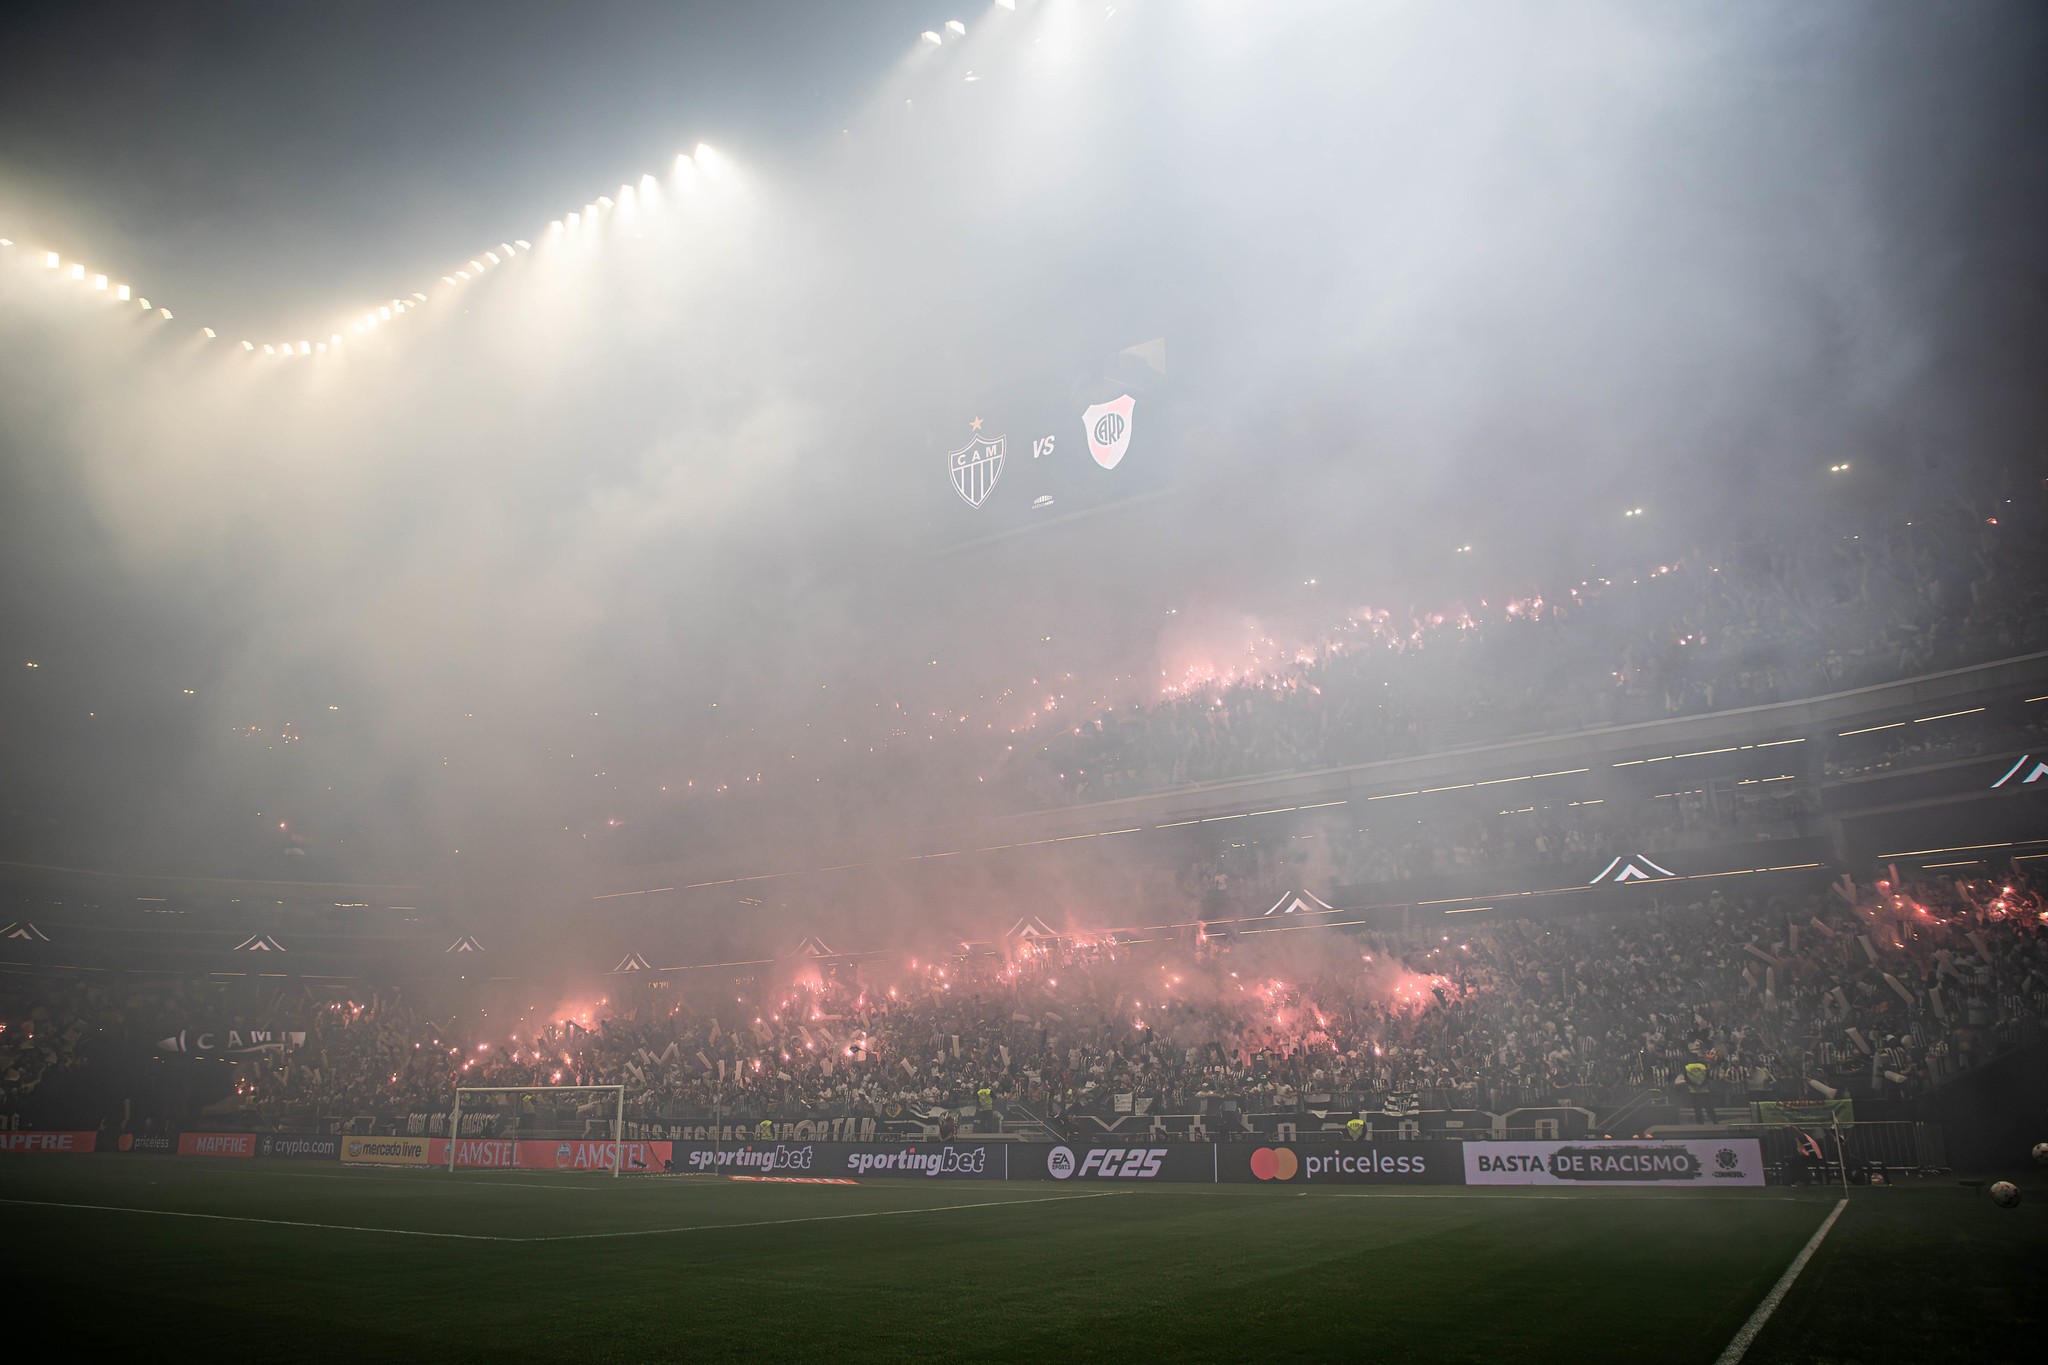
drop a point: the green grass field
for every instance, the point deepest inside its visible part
(273, 1261)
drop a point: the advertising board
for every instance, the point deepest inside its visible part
(1704, 1163)
(217, 1144)
(299, 1146)
(385, 1151)
(54, 1141)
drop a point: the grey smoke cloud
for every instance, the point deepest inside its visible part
(658, 511)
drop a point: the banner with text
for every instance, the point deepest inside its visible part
(849, 1160)
(542, 1154)
(1694, 1162)
(216, 1144)
(1343, 1163)
(386, 1151)
(48, 1142)
(299, 1146)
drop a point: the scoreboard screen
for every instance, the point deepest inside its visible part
(1052, 449)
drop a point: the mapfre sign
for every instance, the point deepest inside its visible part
(67, 1141)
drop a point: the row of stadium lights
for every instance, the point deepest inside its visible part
(98, 282)
(393, 309)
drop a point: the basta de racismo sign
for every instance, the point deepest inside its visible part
(1697, 1162)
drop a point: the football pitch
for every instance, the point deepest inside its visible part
(269, 1261)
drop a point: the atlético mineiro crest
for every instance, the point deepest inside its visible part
(975, 467)
(1109, 430)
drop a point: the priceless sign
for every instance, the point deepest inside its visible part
(160, 1144)
(1691, 1161)
(216, 1144)
(1341, 1163)
(385, 1151)
(72, 1141)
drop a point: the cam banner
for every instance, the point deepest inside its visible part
(70, 1141)
(385, 1151)
(1807, 1113)
(1700, 1163)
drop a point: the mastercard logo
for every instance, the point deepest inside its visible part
(1274, 1163)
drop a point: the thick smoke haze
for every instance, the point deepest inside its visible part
(656, 514)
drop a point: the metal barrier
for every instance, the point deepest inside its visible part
(1860, 1154)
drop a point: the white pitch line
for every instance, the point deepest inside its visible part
(820, 1218)
(556, 1237)
(1771, 1301)
(270, 1222)
(428, 1174)
(1462, 1193)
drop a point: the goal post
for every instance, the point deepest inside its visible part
(618, 1092)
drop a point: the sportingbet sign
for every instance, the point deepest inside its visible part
(841, 1160)
(1694, 1162)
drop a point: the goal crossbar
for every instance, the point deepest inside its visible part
(618, 1115)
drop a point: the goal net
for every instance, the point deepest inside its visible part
(539, 1112)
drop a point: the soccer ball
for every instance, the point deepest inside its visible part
(2041, 1154)
(2005, 1194)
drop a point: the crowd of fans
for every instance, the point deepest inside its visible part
(1737, 626)
(1872, 991)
